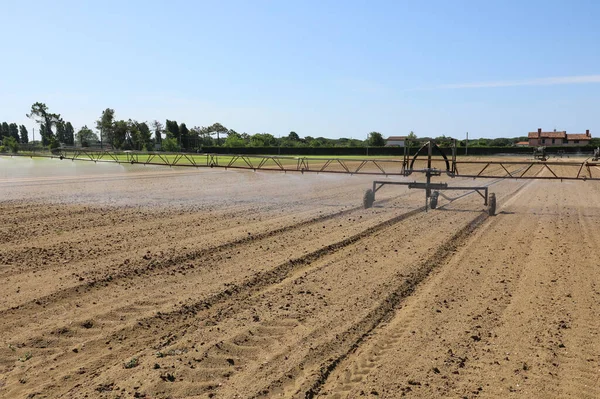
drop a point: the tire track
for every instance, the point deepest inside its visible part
(212, 308)
(179, 319)
(582, 384)
(353, 338)
(385, 342)
(581, 331)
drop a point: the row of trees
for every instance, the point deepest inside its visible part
(11, 136)
(47, 121)
(18, 133)
(172, 136)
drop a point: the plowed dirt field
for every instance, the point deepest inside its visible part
(148, 282)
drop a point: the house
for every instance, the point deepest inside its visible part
(560, 138)
(522, 144)
(395, 141)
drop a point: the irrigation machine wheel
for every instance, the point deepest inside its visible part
(368, 199)
(492, 204)
(434, 199)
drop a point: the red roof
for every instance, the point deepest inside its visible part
(548, 135)
(578, 136)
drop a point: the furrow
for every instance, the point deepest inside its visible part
(172, 261)
(181, 319)
(353, 337)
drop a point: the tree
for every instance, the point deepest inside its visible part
(293, 136)
(24, 134)
(42, 128)
(69, 134)
(120, 133)
(86, 136)
(39, 112)
(234, 139)
(61, 132)
(145, 136)
(158, 129)
(207, 139)
(201, 137)
(375, 140)
(4, 130)
(170, 144)
(13, 130)
(218, 129)
(500, 142)
(184, 134)
(263, 140)
(137, 135)
(106, 126)
(412, 139)
(443, 141)
(172, 129)
(10, 143)
(133, 138)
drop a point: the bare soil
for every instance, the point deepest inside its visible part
(142, 282)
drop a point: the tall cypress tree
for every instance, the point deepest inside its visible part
(24, 134)
(4, 130)
(60, 132)
(69, 134)
(184, 134)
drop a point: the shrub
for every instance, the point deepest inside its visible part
(10, 144)
(170, 145)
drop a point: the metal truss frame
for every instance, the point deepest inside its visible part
(569, 170)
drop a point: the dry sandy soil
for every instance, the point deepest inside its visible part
(131, 281)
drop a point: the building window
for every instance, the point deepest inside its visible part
(543, 141)
(576, 141)
(553, 141)
(565, 141)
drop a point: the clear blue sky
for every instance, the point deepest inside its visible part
(320, 68)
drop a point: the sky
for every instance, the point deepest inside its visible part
(319, 68)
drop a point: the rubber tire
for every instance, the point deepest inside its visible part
(492, 204)
(433, 200)
(368, 199)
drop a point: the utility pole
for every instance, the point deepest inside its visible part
(101, 131)
(467, 144)
(33, 141)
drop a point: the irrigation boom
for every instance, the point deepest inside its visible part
(429, 159)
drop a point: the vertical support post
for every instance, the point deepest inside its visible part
(428, 172)
(453, 169)
(406, 155)
(429, 153)
(467, 144)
